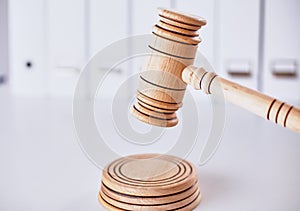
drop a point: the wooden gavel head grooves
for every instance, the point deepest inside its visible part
(173, 47)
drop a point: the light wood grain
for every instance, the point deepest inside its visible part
(111, 207)
(178, 49)
(150, 112)
(176, 37)
(176, 30)
(149, 200)
(182, 17)
(256, 102)
(169, 69)
(173, 47)
(140, 206)
(157, 107)
(149, 182)
(179, 24)
(113, 180)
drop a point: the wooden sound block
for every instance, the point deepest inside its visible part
(149, 182)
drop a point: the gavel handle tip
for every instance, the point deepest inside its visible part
(256, 102)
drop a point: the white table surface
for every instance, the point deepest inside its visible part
(43, 168)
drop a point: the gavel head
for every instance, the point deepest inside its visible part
(161, 89)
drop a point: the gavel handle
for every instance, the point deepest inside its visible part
(256, 102)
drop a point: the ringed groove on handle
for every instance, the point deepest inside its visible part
(211, 83)
(256, 102)
(200, 83)
(269, 110)
(206, 82)
(289, 111)
(280, 107)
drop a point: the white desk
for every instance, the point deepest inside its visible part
(43, 168)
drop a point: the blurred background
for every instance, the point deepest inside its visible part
(44, 44)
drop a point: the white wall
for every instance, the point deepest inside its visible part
(58, 37)
(281, 75)
(3, 40)
(27, 47)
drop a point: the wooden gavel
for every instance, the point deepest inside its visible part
(169, 69)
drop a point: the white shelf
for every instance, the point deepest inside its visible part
(282, 49)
